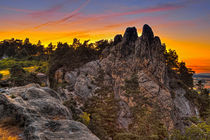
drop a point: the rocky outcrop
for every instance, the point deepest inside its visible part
(40, 114)
(143, 58)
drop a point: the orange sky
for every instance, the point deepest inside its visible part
(181, 25)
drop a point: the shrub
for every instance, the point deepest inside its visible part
(85, 118)
(19, 77)
(1, 76)
(103, 110)
(200, 131)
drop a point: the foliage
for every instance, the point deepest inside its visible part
(200, 131)
(10, 62)
(103, 110)
(146, 114)
(85, 118)
(20, 77)
(43, 68)
(9, 129)
(17, 71)
(201, 100)
(171, 59)
(132, 86)
(185, 74)
(178, 69)
(19, 49)
(73, 56)
(1, 76)
(4, 135)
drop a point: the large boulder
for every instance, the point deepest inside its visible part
(41, 115)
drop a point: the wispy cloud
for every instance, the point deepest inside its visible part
(71, 15)
(16, 9)
(47, 12)
(40, 13)
(113, 15)
(158, 8)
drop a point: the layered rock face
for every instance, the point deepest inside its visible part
(40, 114)
(131, 60)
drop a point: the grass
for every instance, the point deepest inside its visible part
(28, 65)
(6, 73)
(10, 62)
(5, 135)
(9, 129)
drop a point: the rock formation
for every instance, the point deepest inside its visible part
(41, 115)
(131, 56)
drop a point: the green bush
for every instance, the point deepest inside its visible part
(1, 76)
(20, 77)
(43, 68)
(200, 131)
(103, 110)
(11, 62)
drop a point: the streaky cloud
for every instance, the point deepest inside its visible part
(71, 15)
(105, 16)
(40, 13)
(47, 12)
(16, 9)
(158, 8)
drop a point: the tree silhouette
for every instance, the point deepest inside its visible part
(186, 74)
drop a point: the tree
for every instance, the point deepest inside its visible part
(17, 71)
(171, 59)
(185, 74)
(200, 85)
(39, 43)
(27, 41)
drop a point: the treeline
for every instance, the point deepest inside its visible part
(75, 55)
(178, 69)
(70, 56)
(22, 49)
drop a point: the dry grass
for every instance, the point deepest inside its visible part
(5, 74)
(30, 69)
(9, 129)
(5, 135)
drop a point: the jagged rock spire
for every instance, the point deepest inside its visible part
(117, 39)
(147, 33)
(130, 34)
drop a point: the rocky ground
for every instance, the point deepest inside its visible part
(40, 114)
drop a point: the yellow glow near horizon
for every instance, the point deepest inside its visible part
(193, 52)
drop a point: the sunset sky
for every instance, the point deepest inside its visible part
(183, 25)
